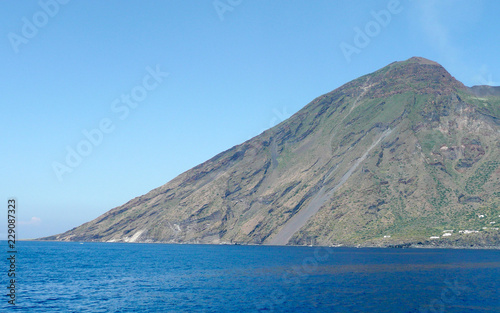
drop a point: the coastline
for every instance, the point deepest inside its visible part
(417, 245)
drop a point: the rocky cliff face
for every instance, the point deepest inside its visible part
(393, 157)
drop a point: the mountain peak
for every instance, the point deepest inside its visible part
(416, 74)
(421, 60)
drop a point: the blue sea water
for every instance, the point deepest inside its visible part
(118, 277)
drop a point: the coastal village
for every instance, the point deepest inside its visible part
(449, 233)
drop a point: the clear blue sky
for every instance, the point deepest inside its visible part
(234, 70)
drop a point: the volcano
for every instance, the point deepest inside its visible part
(404, 156)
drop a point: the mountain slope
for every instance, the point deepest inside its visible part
(393, 157)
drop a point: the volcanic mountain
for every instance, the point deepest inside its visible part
(394, 157)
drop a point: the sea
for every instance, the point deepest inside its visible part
(134, 277)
